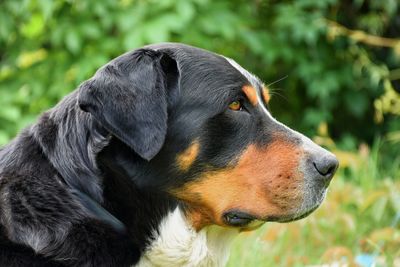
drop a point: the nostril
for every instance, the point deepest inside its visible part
(326, 166)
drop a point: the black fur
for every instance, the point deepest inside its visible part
(129, 98)
(51, 188)
(87, 184)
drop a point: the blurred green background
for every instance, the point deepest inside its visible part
(333, 67)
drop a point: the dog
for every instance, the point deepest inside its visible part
(160, 159)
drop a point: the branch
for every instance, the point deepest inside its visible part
(361, 36)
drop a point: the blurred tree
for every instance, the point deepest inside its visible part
(342, 58)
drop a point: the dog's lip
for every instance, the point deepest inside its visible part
(290, 218)
(247, 220)
(238, 218)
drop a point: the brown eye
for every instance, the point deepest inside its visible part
(235, 105)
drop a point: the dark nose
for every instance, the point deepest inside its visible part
(326, 166)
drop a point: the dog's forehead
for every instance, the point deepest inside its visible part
(253, 80)
(209, 63)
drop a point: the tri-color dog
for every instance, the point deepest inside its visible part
(160, 159)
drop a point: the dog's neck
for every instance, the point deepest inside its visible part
(141, 209)
(169, 238)
(60, 132)
(176, 243)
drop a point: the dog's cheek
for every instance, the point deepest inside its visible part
(264, 182)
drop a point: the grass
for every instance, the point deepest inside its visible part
(359, 218)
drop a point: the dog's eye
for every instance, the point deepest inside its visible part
(236, 105)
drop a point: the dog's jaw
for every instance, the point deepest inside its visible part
(177, 243)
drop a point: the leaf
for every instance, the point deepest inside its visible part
(378, 208)
(185, 11)
(27, 59)
(10, 113)
(34, 27)
(372, 199)
(47, 7)
(72, 41)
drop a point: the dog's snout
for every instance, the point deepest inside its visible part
(326, 165)
(320, 164)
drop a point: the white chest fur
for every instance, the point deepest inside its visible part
(178, 244)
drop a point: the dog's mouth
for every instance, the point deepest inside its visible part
(236, 218)
(291, 218)
(309, 206)
(243, 220)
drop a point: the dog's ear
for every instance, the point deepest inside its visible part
(130, 95)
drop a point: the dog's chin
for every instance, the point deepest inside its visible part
(308, 207)
(295, 217)
(255, 224)
(248, 222)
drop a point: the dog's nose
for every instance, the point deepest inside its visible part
(326, 165)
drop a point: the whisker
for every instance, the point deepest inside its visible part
(280, 79)
(274, 92)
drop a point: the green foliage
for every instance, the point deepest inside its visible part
(47, 47)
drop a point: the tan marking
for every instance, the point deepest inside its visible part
(186, 159)
(264, 182)
(266, 95)
(251, 94)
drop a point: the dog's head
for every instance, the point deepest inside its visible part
(202, 122)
